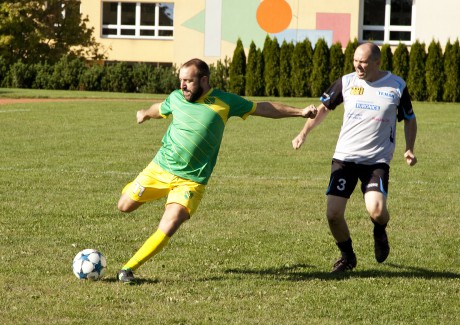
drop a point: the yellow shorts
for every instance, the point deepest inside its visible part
(154, 183)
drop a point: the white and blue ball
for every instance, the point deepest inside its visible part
(89, 264)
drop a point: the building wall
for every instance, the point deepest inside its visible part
(438, 20)
(209, 29)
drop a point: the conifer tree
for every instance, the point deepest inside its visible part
(219, 74)
(272, 68)
(299, 75)
(320, 75)
(349, 54)
(401, 61)
(452, 72)
(266, 54)
(260, 82)
(416, 79)
(336, 62)
(251, 70)
(434, 72)
(308, 64)
(285, 83)
(386, 58)
(237, 70)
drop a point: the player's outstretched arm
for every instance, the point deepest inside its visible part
(146, 114)
(322, 112)
(276, 110)
(410, 131)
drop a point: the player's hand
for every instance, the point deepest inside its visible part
(310, 111)
(298, 141)
(411, 160)
(141, 116)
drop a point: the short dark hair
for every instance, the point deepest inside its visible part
(201, 66)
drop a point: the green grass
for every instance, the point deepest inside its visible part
(258, 250)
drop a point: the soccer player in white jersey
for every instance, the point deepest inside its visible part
(374, 100)
(184, 163)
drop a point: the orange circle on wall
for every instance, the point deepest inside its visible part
(274, 16)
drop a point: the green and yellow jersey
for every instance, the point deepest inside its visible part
(192, 142)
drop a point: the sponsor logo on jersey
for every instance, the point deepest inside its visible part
(355, 116)
(386, 94)
(326, 97)
(210, 100)
(371, 185)
(357, 91)
(188, 195)
(370, 107)
(379, 119)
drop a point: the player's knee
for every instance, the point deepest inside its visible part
(333, 215)
(127, 205)
(122, 207)
(378, 212)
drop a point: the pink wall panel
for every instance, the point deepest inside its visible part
(338, 23)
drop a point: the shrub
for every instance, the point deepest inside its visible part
(237, 70)
(141, 73)
(320, 75)
(271, 53)
(434, 72)
(302, 58)
(452, 72)
(349, 54)
(20, 75)
(254, 72)
(220, 74)
(43, 75)
(386, 58)
(161, 80)
(416, 80)
(401, 61)
(285, 82)
(67, 72)
(91, 78)
(336, 62)
(3, 71)
(118, 78)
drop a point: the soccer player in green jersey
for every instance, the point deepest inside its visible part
(183, 165)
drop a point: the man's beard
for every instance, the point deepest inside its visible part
(195, 95)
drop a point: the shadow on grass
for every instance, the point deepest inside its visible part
(139, 281)
(297, 272)
(304, 272)
(147, 281)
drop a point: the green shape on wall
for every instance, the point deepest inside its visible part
(238, 21)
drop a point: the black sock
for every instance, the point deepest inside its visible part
(346, 248)
(378, 228)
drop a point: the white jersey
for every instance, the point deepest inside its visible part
(371, 110)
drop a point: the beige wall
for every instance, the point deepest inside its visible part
(189, 43)
(127, 49)
(439, 22)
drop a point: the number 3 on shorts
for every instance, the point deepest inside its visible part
(341, 186)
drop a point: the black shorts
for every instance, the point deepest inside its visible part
(345, 175)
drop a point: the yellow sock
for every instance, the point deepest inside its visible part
(152, 246)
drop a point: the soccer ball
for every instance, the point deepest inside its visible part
(89, 264)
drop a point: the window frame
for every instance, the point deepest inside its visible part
(137, 27)
(387, 28)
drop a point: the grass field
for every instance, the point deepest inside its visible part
(258, 251)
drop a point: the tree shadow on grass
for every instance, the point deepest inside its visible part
(300, 272)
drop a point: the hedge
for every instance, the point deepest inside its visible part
(296, 70)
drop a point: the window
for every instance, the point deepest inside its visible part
(388, 21)
(137, 20)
